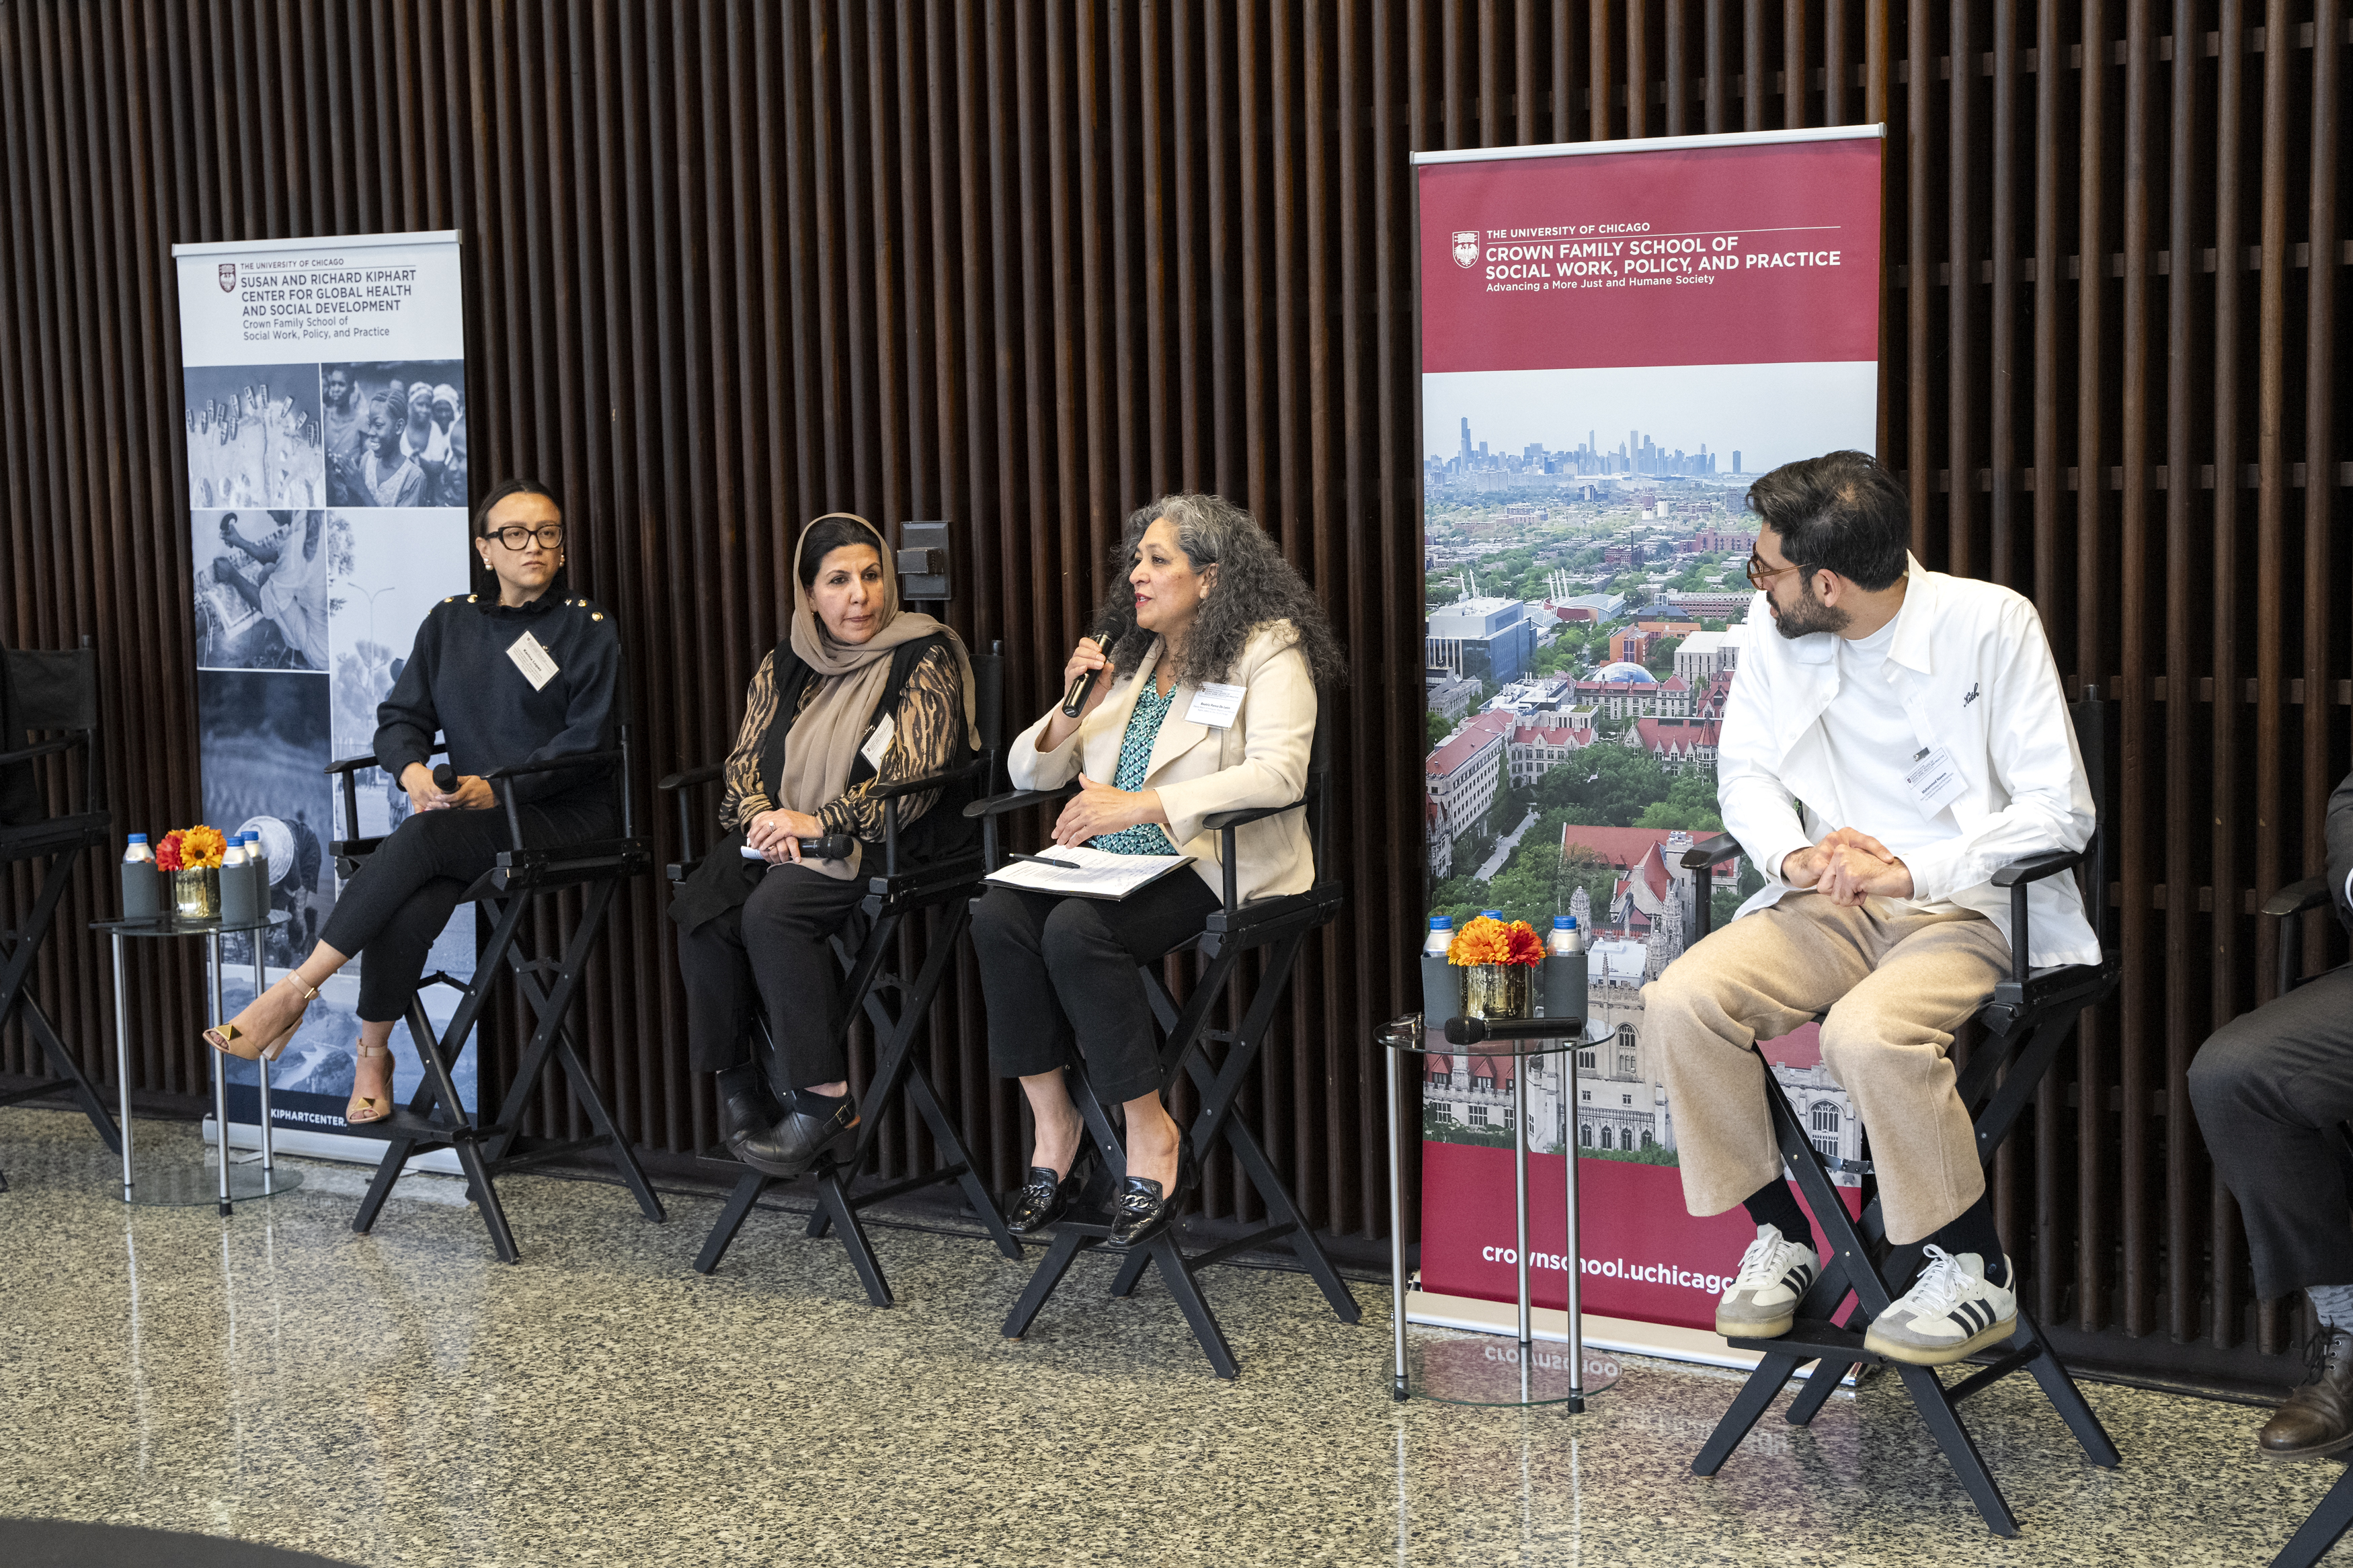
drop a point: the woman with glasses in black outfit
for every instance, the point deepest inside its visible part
(514, 672)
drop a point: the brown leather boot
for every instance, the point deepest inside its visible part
(2317, 1418)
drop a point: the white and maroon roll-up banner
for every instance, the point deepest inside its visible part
(1616, 338)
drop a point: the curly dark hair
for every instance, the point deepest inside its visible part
(1255, 584)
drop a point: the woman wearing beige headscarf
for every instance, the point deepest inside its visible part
(859, 693)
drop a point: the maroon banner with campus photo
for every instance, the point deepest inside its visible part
(1616, 339)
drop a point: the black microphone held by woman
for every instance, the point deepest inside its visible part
(1076, 698)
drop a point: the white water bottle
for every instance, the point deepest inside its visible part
(143, 884)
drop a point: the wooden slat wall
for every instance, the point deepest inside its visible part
(1022, 266)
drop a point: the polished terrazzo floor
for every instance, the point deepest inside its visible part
(404, 1399)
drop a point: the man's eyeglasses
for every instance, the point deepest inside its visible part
(517, 537)
(1762, 578)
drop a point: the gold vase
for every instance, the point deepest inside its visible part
(1498, 990)
(196, 893)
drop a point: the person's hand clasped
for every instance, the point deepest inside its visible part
(1848, 867)
(1098, 809)
(417, 780)
(777, 835)
(474, 793)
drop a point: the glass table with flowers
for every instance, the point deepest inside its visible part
(195, 882)
(1496, 989)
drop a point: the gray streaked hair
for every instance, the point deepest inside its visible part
(1254, 586)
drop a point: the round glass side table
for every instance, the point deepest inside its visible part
(1476, 1370)
(186, 1186)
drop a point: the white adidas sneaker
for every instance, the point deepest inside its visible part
(1762, 1300)
(1949, 1313)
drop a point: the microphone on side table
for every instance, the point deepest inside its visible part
(1472, 1031)
(1076, 698)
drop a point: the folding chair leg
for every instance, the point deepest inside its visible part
(1067, 1244)
(494, 1219)
(747, 1192)
(1755, 1395)
(584, 1090)
(1820, 1384)
(1960, 1451)
(68, 1076)
(833, 1202)
(1280, 1210)
(2321, 1530)
(1130, 1270)
(2064, 1396)
(387, 1171)
(1161, 1250)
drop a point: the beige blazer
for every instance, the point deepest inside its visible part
(1260, 759)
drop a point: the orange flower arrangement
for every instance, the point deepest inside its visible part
(1486, 941)
(191, 848)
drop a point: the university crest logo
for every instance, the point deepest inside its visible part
(1466, 248)
(228, 277)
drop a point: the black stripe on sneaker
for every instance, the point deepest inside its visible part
(1795, 1280)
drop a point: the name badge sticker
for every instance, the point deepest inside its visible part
(532, 660)
(1936, 780)
(1215, 706)
(879, 743)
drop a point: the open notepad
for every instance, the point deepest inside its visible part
(1089, 874)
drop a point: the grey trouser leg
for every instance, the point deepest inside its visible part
(2271, 1088)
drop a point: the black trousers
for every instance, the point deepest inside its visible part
(407, 891)
(2270, 1088)
(1054, 968)
(773, 952)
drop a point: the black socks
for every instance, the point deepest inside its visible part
(1974, 1232)
(808, 1102)
(1775, 1205)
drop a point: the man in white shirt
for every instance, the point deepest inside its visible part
(1920, 720)
(2273, 1090)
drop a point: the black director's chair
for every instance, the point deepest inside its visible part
(435, 1118)
(1281, 925)
(894, 1002)
(2027, 1021)
(54, 694)
(2333, 1515)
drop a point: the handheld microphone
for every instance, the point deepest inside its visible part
(1477, 1031)
(1076, 698)
(832, 846)
(445, 778)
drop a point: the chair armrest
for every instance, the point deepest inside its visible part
(929, 781)
(704, 775)
(1710, 853)
(47, 748)
(554, 764)
(352, 764)
(2036, 867)
(2298, 897)
(1217, 821)
(1019, 800)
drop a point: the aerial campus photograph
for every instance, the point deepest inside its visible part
(1587, 610)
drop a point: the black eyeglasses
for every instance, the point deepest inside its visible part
(1761, 577)
(517, 537)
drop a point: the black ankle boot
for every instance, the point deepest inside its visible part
(812, 1127)
(744, 1108)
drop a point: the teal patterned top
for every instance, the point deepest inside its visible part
(1134, 761)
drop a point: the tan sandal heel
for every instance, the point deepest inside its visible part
(232, 1041)
(364, 1108)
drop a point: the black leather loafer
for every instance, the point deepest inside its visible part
(1041, 1200)
(744, 1108)
(798, 1142)
(1140, 1210)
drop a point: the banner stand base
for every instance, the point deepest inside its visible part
(1624, 1336)
(338, 1146)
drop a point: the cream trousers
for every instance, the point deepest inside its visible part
(1895, 982)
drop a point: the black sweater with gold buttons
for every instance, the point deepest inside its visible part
(462, 680)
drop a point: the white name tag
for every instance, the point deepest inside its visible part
(1936, 780)
(1215, 706)
(879, 743)
(532, 660)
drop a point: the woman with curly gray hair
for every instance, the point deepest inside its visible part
(1217, 647)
